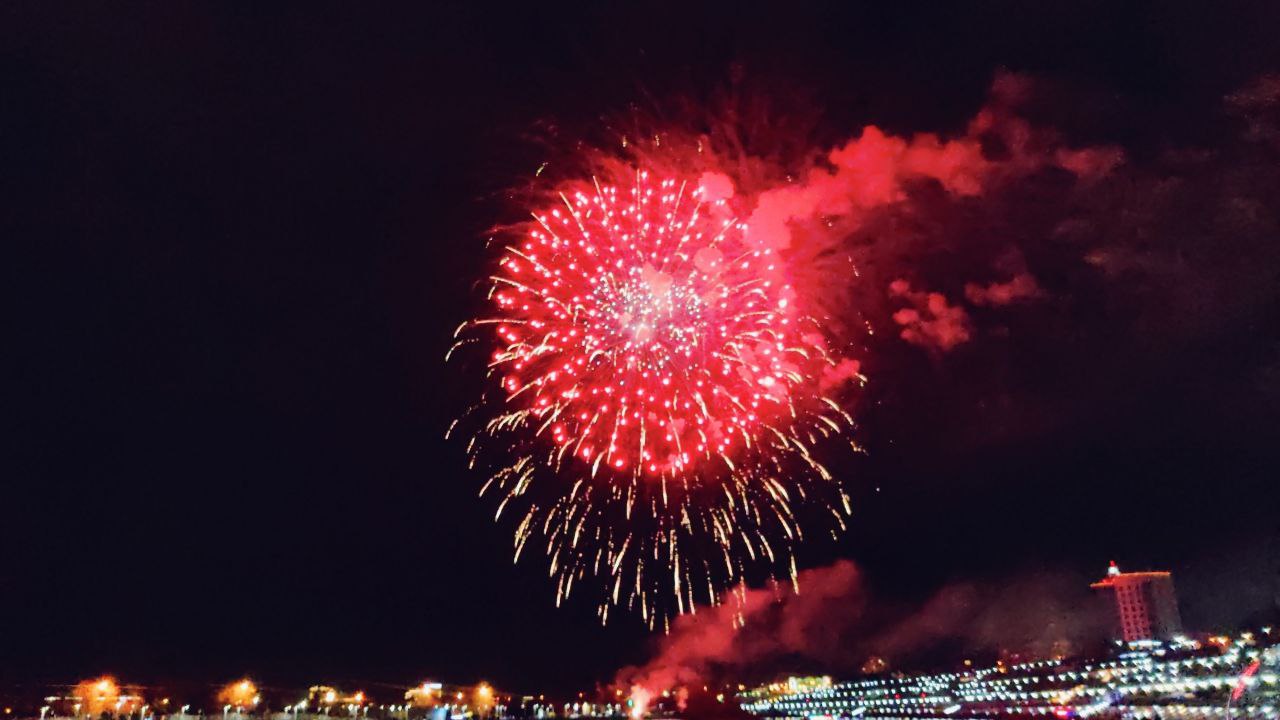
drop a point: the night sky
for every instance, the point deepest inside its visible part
(244, 236)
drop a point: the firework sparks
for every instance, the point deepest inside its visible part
(661, 389)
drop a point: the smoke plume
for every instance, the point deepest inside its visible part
(929, 320)
(835, 622)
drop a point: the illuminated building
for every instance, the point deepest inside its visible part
(428, 694)
(808, 683)
(1146, 680)
(791, 685)
(1143, 603)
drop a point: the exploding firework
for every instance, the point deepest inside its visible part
(659, 391)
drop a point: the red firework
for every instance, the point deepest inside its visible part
(649, 353)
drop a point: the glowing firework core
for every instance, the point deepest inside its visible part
(646, 330)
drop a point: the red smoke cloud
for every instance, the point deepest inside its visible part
(833, 620)
(845, 371)
(873, 169)
(712, 637)
(876, 172)
(1023, 286)
(866, 173)
(1089, 163)
(930, 322)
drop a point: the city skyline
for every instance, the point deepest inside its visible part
(1137, 625)
(1154, 674)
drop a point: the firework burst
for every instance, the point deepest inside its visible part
(659, 393)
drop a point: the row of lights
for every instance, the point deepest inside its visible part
(103, 694)
(1135, 673)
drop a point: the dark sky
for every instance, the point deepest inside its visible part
(245, 232)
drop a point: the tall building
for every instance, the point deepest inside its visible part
(1144, 604)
